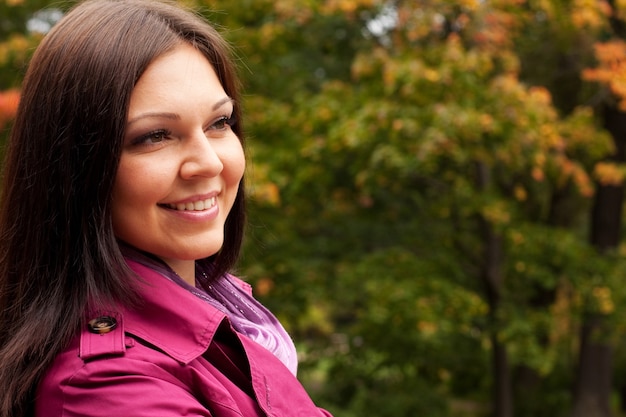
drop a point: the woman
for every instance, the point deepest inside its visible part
(122, 213)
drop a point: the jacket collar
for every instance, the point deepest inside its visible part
(170, 317)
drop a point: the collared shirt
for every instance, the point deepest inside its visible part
(171, 355)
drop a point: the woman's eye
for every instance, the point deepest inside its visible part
(223, 123)
(152, 138)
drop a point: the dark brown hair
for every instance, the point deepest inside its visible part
(58, 251)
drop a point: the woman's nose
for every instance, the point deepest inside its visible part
(200, 158)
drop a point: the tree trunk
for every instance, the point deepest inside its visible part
(501, 371)
(606, 217)
(594, 378)
(492, 278)
(502, 390)
(593, 383)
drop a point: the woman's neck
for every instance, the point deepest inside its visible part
(186, 269)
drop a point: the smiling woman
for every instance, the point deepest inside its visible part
(121, 216)
(181, 163)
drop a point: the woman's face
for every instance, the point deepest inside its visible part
(181, 163)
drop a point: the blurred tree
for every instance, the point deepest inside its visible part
(410, 133)
(596, 28)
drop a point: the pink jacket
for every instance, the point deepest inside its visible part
(174, 355)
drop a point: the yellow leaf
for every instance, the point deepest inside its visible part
(607, 173)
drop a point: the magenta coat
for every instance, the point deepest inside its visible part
(175, 355)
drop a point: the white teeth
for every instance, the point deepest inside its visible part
(195, 206)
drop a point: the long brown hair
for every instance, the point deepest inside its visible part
(57, 247)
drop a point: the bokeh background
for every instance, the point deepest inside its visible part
(436, 193)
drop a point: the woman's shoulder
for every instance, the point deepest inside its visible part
(90, 378)
(103, 374)
(130, 349)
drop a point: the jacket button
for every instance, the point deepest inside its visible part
(102, 324)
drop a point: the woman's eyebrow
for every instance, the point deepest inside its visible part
(155, 115)
(175, 116)
(223, 101)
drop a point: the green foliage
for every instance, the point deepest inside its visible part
(397, 322)
(379, 181)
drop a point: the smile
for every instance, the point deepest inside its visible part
(194, 206)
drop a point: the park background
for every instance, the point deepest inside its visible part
(435, 195)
